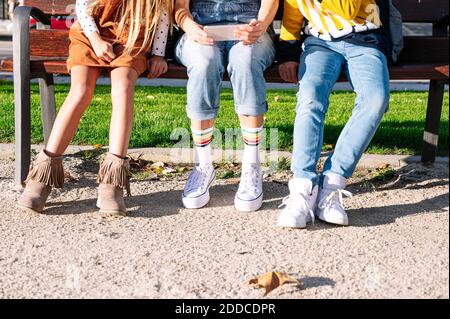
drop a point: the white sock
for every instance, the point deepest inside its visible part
(203, 155)
(252, 139)
(202, 141)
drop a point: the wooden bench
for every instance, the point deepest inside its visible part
(41, 53)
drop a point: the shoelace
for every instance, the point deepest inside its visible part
(198, 173)
(329, 199)
(249, 179)
(301, 204)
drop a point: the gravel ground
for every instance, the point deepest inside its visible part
(396, 247)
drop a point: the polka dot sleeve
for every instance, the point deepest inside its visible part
(87, 22)
(162, 32)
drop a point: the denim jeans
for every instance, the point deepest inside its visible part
(321, 64)
(206, 66)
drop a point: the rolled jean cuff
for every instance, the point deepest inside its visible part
(202, 115)
(242, 110)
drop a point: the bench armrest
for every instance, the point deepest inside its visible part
(21, 39)
(25, 13)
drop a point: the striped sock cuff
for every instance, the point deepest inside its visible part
(202, 138)
(252, 136)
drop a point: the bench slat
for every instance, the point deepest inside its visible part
(423, 50)
(49, 43)
(397, 72)
(412, 10)
(423, 10)
(52, 7)
(420, 50)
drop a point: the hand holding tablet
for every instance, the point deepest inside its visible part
(223, 32)
(247, 33)
(250, 33)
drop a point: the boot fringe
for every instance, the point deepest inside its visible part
(115, 171)
(47, 170)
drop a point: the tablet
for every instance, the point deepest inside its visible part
(223, 32)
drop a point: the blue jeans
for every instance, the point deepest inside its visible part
(321, 64)
(206, 67)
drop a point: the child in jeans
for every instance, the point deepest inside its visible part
(115, 35)
(245, 62)
(345, 35)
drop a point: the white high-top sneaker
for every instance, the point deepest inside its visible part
(196, 191)
(249, 196)
(300, 204)
(330, 208)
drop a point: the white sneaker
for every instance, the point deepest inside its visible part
(330, 208)
(249, 196)
(300, 204)
(196, 191)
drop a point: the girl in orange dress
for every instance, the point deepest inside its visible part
(117, 36)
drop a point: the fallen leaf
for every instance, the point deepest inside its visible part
(68, 176)
(97, 147)
(272, 280)
(137, 162)
(169, 170)
(383, 166)
(277, 98)
(151, 97)
(182, 170)
(157, 165)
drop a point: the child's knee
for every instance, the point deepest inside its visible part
(375, 101)
(82, 92)
(312, 98)
(206, 66)
(123, 86)
(252, 59)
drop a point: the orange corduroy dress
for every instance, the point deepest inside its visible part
(106, 16)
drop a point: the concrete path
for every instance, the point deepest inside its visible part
(396, 247)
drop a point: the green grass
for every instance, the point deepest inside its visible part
(160, 110)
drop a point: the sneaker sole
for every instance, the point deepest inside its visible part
(287, 224)
(197, 202)
(201, 201)
(334, 222)
(244, 206)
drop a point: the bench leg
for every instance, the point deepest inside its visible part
(22, 109)
(48, 104)
(433, 120)
(22, 130)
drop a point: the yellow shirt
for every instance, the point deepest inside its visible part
(328, 19)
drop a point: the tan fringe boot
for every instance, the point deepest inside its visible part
(113, 177)
(46, 172)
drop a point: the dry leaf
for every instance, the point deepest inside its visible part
(68, 176)
(182, 170)
(272, 280)
(383, 166)
(157, 165)
(151, 97)
(277, 98)
(97, 147)
(169, 170)
(137, 162)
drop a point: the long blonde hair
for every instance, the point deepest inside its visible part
(138, 19)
